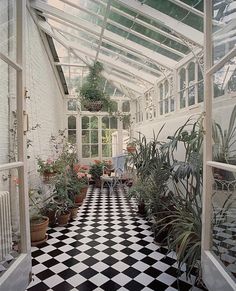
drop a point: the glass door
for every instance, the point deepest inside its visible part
(219, 189)
(15, 258)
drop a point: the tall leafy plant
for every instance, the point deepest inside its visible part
(225, 140)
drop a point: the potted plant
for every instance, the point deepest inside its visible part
(62, 199)
(139, 192)
(131, 147)
(47, 168)
(93, 97)
(38, 222)
(96, 171)
(224, 147)
(49, 210)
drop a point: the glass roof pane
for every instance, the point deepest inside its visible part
(179, 13)
(224, 36)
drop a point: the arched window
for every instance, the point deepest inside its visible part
(126, 106)
(72, 129)
(182, 87)
(191, 84)
(161, 92)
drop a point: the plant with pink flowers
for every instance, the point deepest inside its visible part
(48, 166)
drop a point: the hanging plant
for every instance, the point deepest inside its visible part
(93, 97)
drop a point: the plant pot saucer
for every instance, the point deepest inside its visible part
(35, 243)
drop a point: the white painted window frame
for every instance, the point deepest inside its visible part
(18, 274)
(214, 273)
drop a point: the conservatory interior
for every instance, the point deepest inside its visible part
(118, 145)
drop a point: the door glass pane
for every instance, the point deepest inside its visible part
(105, 122)
(85, 136)
(72, 136)
(85, 122)
(8, 28)
(94, 151)
(113, 123)
(106, 150)
(224, 219)
(94, 122)
(8, 123)
(85, 151)
(94, 136)
(9, 219)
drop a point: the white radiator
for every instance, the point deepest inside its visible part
(5, 225)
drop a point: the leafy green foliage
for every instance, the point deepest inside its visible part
(224, 147)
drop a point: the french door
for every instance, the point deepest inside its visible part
(15, 258)
(219, 189)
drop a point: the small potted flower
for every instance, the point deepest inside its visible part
(47, 169)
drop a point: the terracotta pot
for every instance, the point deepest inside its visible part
(52, 217)
(48, 177)
(131, 149)
(79, 198)
(38, 228)
(63, 219)
(73, 212)
(98, 183)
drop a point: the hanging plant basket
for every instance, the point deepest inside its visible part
(93, 106)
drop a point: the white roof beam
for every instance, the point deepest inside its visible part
(141, 22)
(133, 87)
(103, 58)
(180, 28)
(116, 55)
(188, 7)
(103, 28)
(115, 63)
(142, 58)
(129, 30)
(106, 59)
(116, 82)
(114, 38)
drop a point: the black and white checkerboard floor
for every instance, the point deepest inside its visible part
(108, 247)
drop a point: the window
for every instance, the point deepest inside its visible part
(72, 129)
(109, 142)
(89, 137)
(150, 107)
(72, 105)
(191, 87)
(139, 113)
(166, 99)
(126, 106)
(182, 87)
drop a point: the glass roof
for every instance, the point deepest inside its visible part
(138, 42)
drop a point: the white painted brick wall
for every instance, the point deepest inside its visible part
(45, 106)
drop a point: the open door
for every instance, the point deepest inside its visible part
(15, 257)
(219, 189)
